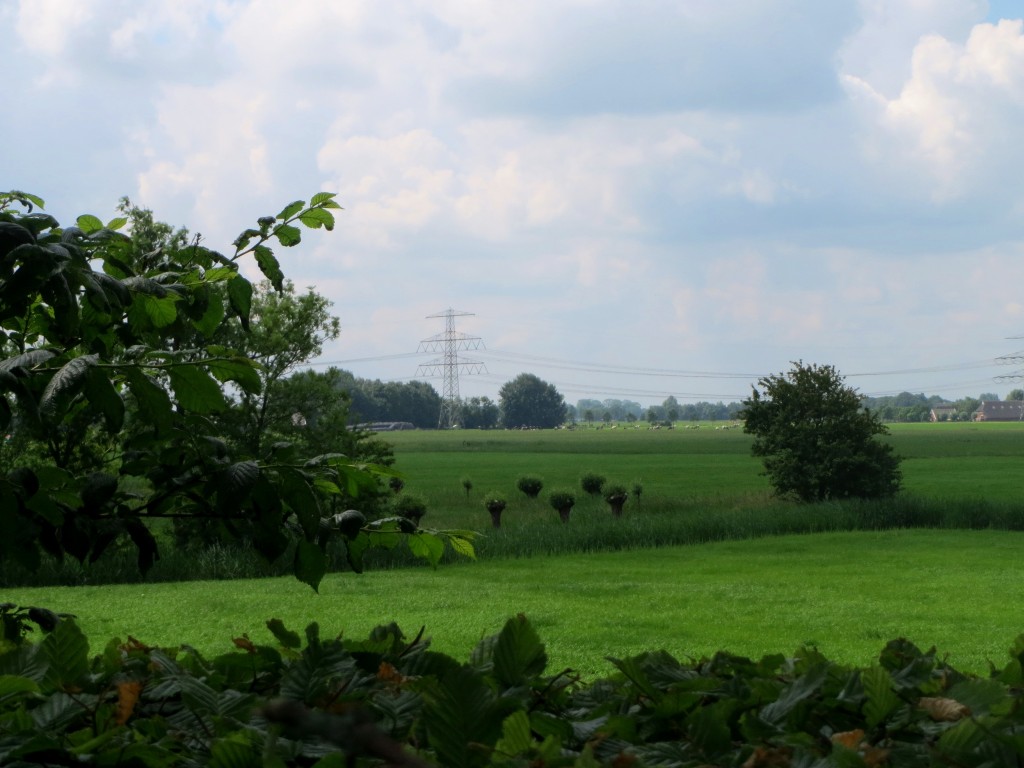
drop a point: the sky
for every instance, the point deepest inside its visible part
(630, 199)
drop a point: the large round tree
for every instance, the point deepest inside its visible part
(816, 441)
(527, 401)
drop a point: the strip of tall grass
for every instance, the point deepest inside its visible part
(534, 530)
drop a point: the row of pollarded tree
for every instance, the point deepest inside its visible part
(562, 500)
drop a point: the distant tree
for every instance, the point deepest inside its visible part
(989, 397)
(588, 416)
(816, 441)
(1016, 394)
(607, 417)
(631, 417)
(528, 401)
(673, 414)
(479, 413)
(286, 329)
(967, 405)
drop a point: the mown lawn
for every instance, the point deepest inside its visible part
(848, 593)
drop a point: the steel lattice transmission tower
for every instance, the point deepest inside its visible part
(448, 344)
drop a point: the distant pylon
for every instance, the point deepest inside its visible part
(448, 366)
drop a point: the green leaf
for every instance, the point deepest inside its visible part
(212, 317)
(881, 699)
(160, 311)
(461, 544)
(800, 689)
(288, 235)
(426, 545)
(516, 738)
(709, 727)
(979, 696)
(89, 223)
(66, 651)
(152, 399)
(195, 390)
(310, 564)
(316, 218)
(518, 653)
(269, 266)
(15, 687)
(461, 714)
(291, 209)
(144, 543)
(354, 549)
(240, 370)
(299, 496)
(236, 481)
(240, 298)
(323, 199)
(104, 397)
(64, 385)
(116, 224)
(236, 751)
(220, 274)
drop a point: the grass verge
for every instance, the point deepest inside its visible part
(848, 593)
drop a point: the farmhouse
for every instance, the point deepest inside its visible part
(942, 412)
(996, 410)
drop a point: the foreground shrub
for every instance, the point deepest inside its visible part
(303, 699)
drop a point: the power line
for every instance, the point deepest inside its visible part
(448, 343)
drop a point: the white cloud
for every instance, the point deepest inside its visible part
(746, 182)
(954, 120)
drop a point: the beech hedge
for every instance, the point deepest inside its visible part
(309, 700)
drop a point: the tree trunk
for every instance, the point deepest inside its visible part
(495, 517)
(616, 507)
(564, 514)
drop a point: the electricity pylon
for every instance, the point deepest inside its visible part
(449, 365)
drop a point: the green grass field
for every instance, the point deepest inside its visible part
(949, 461)
(847, 593)
(736, 585)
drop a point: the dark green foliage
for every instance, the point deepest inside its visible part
(592, 483)
(467, 485)
(531, 485)
(495, 504)
(562, 501)
(816, 441)
(478, 413)
(616, 496)
(303, 699)
(527, 401)
(118, 371)
(410, 507)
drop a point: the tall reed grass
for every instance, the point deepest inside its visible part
(537, 532)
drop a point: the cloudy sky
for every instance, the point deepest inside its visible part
(633, 198)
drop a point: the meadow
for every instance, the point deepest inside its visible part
(846, 593)
(706, 558)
